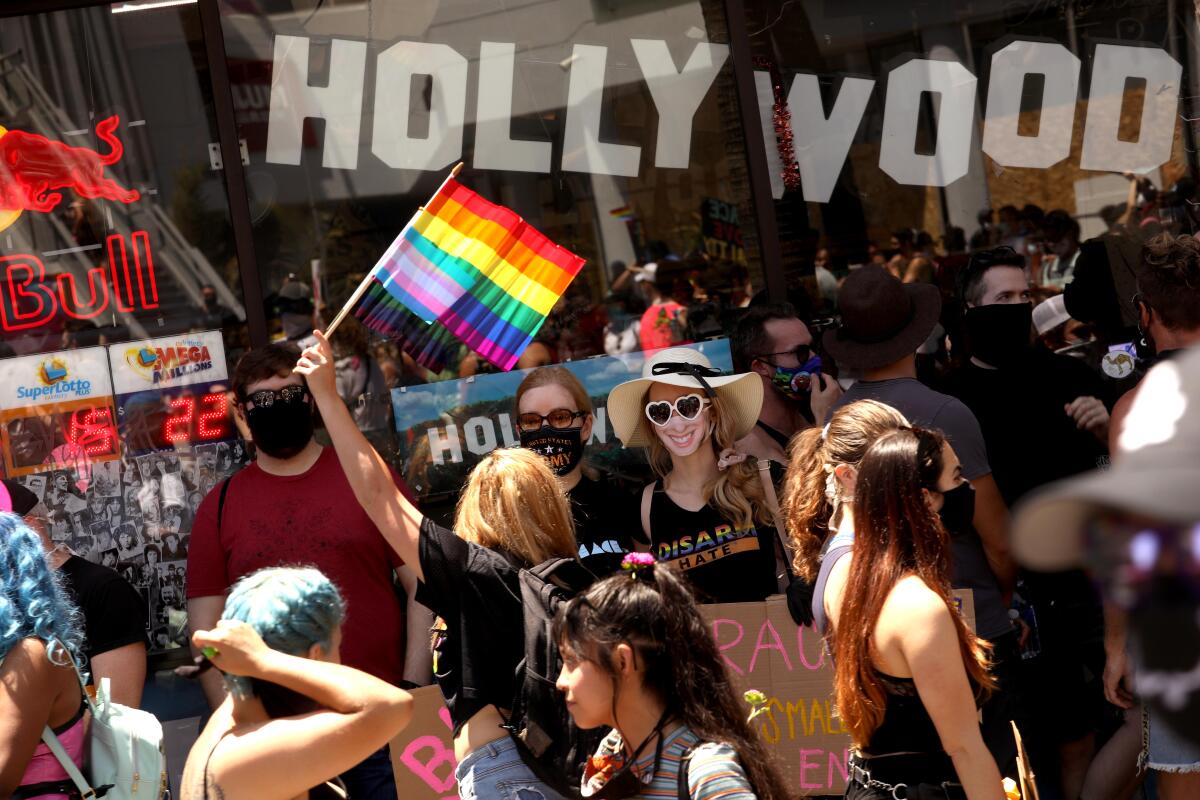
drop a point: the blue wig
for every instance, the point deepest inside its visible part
(291, 608)
(32, 601)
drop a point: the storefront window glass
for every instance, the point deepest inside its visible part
(918, 132)
(120, 302)
(613, 128)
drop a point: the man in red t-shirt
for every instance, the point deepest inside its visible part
(293, 506)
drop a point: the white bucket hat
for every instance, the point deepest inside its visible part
(741, 395)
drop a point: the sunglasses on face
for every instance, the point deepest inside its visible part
(802, 353)
(265, 398)
(689, 407)
(559, 418)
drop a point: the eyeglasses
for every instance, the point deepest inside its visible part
(559, 418)
(265, 398)
(802, 352)
(689, 407)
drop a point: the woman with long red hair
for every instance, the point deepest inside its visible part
(909, 671)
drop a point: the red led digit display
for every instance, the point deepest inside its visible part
(214, 423)
(162, 420)
(92, 430)
(184, 425)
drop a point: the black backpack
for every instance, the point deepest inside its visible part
(550, 745)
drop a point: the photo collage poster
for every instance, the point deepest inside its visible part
(108, 442)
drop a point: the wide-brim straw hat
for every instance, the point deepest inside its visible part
(741, 395)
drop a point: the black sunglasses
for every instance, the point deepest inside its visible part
(802, 352)
(265, 398)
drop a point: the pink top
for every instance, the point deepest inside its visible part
(44, 766)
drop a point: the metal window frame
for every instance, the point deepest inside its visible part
(235, 176)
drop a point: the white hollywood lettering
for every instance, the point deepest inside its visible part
(1112, 66)
(293, 100)
(442, 144)
(443, 441)
(480, 435)
(494, 146)
(677, 95)
(821, 143)
(951, 155)
(1010, 65)
(582, 149)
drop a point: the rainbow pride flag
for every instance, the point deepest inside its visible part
(470, 267)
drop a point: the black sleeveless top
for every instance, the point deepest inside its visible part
(724, 565)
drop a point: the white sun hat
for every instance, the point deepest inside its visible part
(741, 395)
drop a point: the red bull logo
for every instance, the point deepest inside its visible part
(29, 298)
(34, 170)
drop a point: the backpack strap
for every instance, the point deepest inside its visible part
(683, 791)
(221, 502)
(51, 740)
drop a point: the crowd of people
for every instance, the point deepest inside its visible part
(868, 471)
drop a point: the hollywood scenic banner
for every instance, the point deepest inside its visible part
(445, 428)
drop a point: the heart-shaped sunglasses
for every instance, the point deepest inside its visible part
(689, 407)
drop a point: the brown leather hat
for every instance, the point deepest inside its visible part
(883, 320)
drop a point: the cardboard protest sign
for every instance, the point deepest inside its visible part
(765, 649)
(423, 753)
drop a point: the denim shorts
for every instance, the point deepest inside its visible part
(1164, 750)
(496, 772)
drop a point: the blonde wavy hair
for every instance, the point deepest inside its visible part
(737, 491)
(809, 510)
(513, 502)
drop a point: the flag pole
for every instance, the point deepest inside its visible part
(362, 287)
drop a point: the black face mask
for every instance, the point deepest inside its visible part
(281, 430)
(999, 333)
(561, 447)
(958, 509)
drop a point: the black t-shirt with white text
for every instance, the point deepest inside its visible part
(606, 524)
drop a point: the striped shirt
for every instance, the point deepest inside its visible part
(714, 772)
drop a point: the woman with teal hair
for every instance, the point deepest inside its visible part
(39, 637)
(295, 717)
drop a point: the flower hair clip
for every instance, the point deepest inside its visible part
(633, 563)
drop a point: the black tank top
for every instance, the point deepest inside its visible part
(906, 726)
(723, 564)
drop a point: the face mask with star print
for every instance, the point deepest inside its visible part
(561, 447)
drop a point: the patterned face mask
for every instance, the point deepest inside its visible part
(796, 382)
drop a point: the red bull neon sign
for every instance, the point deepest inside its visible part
(34, 173)
(33, 169)
(28, 298)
